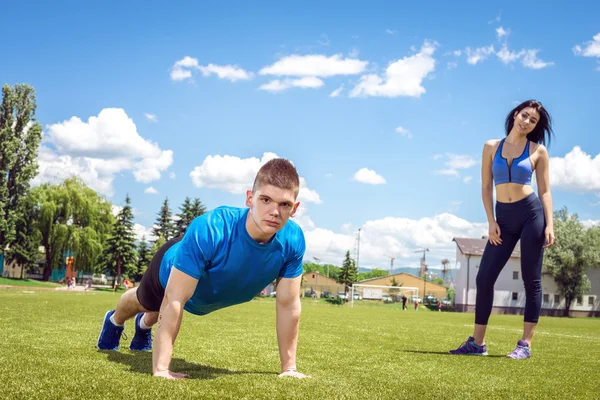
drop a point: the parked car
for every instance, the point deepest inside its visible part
(99, 279)
(327, 295)
(357, 296)
(343, 295)
(386, 298)
(412, 299)
(430, 299)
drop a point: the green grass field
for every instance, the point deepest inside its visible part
(28, 282)
(47, 351)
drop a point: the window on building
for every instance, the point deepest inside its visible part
(579, 300)
(515, 275)
(556, 298)
(515, 295)
(546, 298)
(591, 301)
(313, 276)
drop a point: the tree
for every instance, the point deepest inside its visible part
(24, 249)
(349, 272)
(198, 208)
(72, 217)
(576, 250)
(395, 289)
(163, 227)
(119, 255)
(189, 211)
(438, 280)
(374, 273)
(143, 259)
(333, 271)
(20, 136)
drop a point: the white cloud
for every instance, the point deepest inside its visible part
(452, 64)
(182, 69)
(530, 60)
(589, 223)
(393, 235)
(507, 56)
(97, 150)
(307, 195)
(479, 54)
(142, 232)
(236, 175)
(390, 32)
(501, 32)
(448, 172)
(404, 132)
(467, 179)
(172, 175)
(577, 171)
(115, 209)
(454, 163)
(315, 65)
(276, 85)
(353, 53)
(403, 77)
(460, 161)
(369, 176)
(337, 92)
(151, 117)
(590, 48)
(151, 190)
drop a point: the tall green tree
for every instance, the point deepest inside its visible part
(25, 247)
(143, 259)
(575, 251)
(163, 226)
(333, 271)
(198, 208)
(20, 136)
(188, 211)
(119, 255)
(348, 272)
(72, 218)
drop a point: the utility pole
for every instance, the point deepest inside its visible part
(358, 250)
(423, 270)
(391, 263)
(318, 261)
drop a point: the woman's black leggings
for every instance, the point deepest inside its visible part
(524, 220)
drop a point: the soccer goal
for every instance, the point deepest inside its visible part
(386, 294)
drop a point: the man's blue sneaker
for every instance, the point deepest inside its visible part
(469, 348)
(110, 335)
(142, 340)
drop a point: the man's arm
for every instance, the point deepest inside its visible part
(180, 289)
(288, 319)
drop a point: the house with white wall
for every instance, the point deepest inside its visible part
(509, 292)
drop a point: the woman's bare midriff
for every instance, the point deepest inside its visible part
(512, 192)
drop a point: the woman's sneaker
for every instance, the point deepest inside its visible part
(521, 352)
(469, 348)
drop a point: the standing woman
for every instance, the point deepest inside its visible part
(520, 215)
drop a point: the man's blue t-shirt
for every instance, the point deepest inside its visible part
(230, 266)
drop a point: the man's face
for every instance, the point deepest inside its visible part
(271, 207)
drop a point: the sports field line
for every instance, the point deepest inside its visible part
(498, 328)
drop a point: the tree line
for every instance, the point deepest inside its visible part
(71, 217)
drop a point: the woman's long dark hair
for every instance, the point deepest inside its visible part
(542, 133)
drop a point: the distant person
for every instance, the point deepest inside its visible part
(404, 299)
(416, 305)
(226, 257)
(88, 284)
(509, 163)
(440, 306)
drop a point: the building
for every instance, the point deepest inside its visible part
(404, 279)
(319, 284)
(509, 295)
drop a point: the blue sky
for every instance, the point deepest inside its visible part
(384, 108)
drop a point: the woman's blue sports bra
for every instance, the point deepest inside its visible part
(519, 172)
